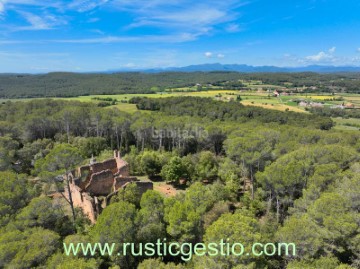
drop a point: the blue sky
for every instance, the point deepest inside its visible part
(81, 35)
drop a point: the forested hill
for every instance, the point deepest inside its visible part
(218, 110)
(248, 178)
(76, 84)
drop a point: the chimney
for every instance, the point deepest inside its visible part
(92, 160)
(117, 154)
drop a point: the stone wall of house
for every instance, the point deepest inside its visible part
(144, 186)
(124, 171)
(101, 183)
(83, 175)
(89, 207)
(82, 170)
(108, 164)
(84, 201)
(121, 181)
(89, 182)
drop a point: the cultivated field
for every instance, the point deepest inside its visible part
(251, 98)
(256, 97)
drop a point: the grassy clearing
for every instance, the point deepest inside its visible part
(320, 97)
(165, 189)
(191, 89)
(129, 108)
(347, 124)
(280, 107)
(263, 86)
(251, 98)
(261, 100)
(120, 97)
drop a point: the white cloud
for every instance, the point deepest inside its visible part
(92, 20)
(2, 6)
(195, 18)
(183, 18)
(44, 22)
(129, 65)
(358, 50)
(209, 54)
(97, 31)
(233, 28)
(86, 5)
(39, 18)
(291, 60)
(199, 18)
(177, 38)
(17, 4)
(332, 50)
(321, 56)
(100, 40)
(59, 5)
(36, 22)
(356, 60)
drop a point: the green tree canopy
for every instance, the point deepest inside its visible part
(61, 261)
(117, 225)
(60, 160)
(150, 219)
(14, 195)
(27, 249)
(174, 170)
(42, 212)
(239, 227)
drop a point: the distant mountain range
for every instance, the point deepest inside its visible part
(245, 68)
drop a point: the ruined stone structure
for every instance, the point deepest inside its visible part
(92, 185)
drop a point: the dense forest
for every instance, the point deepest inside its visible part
(252, 175)
(77, 84)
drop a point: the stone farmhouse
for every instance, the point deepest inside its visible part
(93, 185)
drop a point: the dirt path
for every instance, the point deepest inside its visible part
(166, 189)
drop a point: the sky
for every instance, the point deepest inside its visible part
(82, 36)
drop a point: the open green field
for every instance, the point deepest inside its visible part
(131, 108)
(192, 89)
(121, 97)
(249, 98)
(273, 105)
(252, 98)
(263, 86)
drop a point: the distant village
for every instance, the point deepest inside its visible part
(306, 103)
